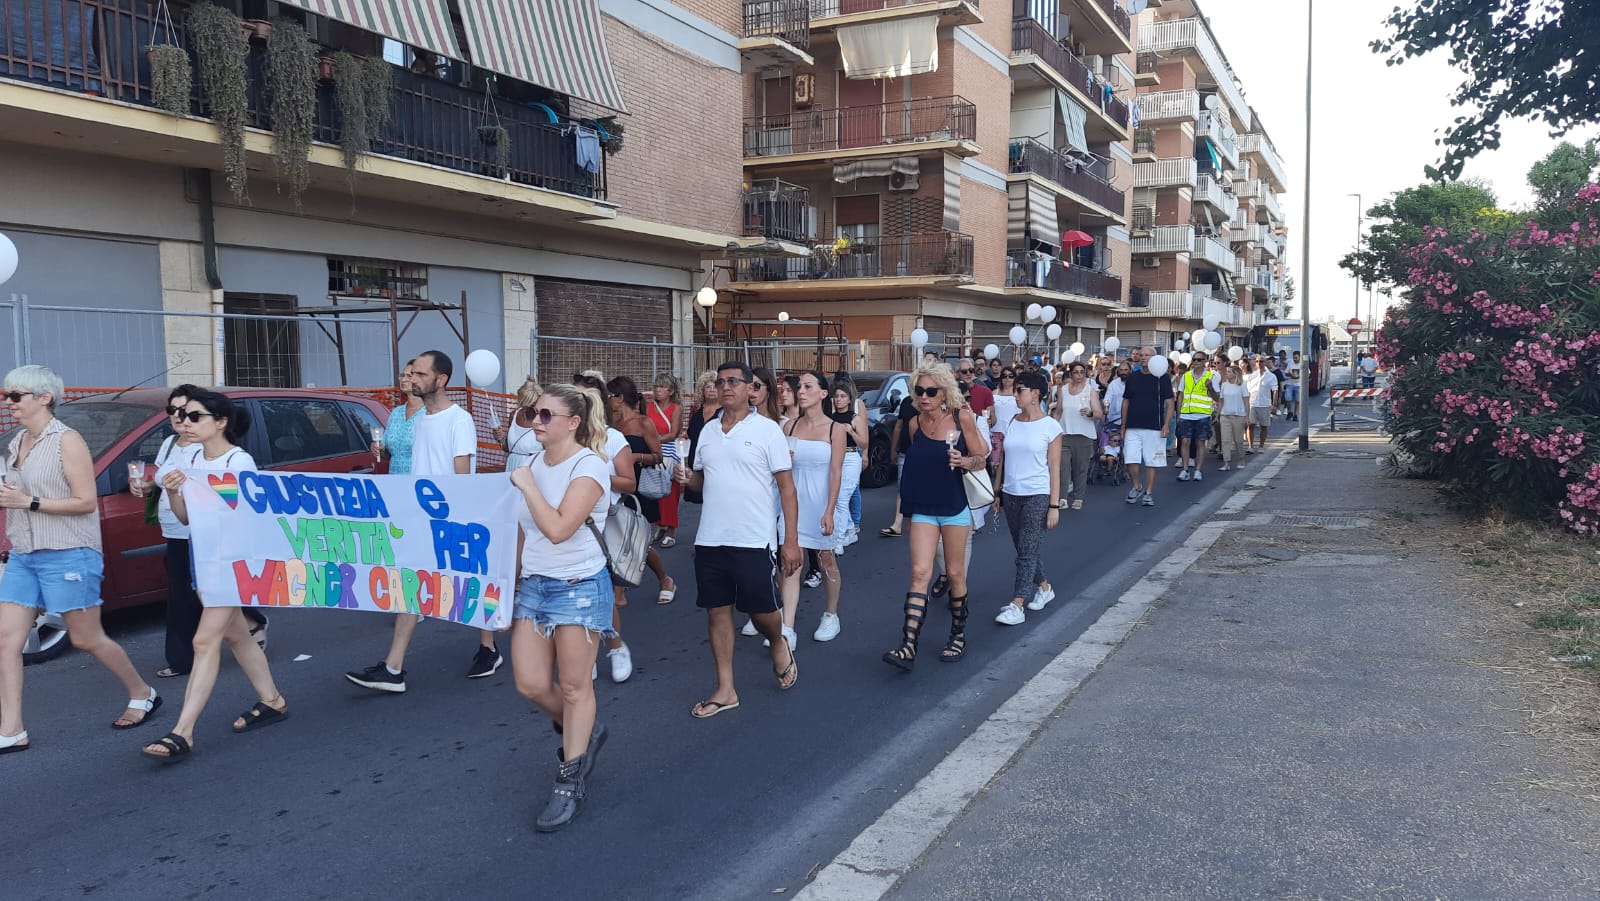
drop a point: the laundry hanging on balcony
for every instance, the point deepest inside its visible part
(892, 49)
(847, 172)
(557, 44)
(424, 24)
(1073, 116)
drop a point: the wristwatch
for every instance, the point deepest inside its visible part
(34, 506)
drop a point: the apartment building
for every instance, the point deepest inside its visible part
(940, 164)
(560, 165)
(1208, 230)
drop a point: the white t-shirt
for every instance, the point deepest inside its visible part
(170, 527)
(1005, 410)
(616, 443)
(580, 556)
(1027, 450)
(1113, 400)
(740, 501)
(1261, 385)
(193, 458)
(1073, 422)
(439, 438)
(1294, 371)
(1235, 399)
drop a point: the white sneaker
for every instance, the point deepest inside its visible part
(828, 629)
(1224, 468)
(1041, 598)
(1133, 496)
(1198, 477)
(789, 635)
(621, 663)
(749, 630)
(1011, 615)
(1183, 474)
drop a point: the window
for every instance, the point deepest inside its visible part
(300, 429)
(261, 352)
(362, 417)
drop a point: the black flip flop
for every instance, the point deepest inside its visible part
(716, 707)
(260, 716)
(792, 668)
(177, 748)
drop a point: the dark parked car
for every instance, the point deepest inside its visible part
(881, 391)
(309, 431)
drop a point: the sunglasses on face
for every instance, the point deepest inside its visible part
(16, 396)
(545, 414)
(967, 371)
(193, 415)
(1008, 375)
(729, 382)
(927, 392)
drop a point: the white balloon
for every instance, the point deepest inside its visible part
(1211, 321)
(1048, 314)
(1157, 366)
(1019, 335)
(483, 367)
(1068, 358)
(1369, 365)
(1197, 336)
(1078, 348)
(1111, 345)
(1034, 311)
(919, 338)
(1173, 355)
(991, 351)
(8, 259)
(1213, 341)
(1177, 344)
(1053, 331)
(1236, 353)
(1186, 358)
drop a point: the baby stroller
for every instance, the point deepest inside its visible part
(1107, 465)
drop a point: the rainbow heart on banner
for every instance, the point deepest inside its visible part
(227, 487)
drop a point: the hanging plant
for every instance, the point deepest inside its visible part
(492, 134)
(221, 47)
(349, 91)
(170, 81)
(292, 80)
(612, 145)
(377, 86)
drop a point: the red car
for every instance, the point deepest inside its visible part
(307, 431)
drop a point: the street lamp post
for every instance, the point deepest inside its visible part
(1360, 218)
(1305, 251)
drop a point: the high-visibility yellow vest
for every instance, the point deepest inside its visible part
(1196, 396)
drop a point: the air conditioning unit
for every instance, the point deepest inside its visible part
(1150, 262)
(899, 181)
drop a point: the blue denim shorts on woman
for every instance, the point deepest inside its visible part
(58, 581)
(563, 602)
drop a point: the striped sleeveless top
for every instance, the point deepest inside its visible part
(41, 475)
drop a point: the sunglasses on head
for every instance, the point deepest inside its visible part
(927, 392)
(193, 415)
(16, 396)
(728, 382)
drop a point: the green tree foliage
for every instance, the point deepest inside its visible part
(1399, 221)
(1523, 59)
(1558, 177)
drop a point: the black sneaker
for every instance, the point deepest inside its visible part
(378, 678)
(485, 664)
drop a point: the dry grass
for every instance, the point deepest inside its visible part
(1532, 593)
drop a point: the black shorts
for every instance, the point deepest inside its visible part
(741, 576)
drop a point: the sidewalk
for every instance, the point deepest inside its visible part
(1294, 720)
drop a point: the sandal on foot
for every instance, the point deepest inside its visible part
(890, 532)
(704, 710)
(790, 675)
(149, 705)
(260, 716)
(957, 645)
(176, 748)
(667, 594)
(668, 541)
(13, 744)
(905, 656)
(168, 672)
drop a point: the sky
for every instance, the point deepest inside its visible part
(1373, 129)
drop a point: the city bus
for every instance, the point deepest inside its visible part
(1274, 335)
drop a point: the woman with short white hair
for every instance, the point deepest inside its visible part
(53, 524)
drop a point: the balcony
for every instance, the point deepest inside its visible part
(1209, 250)
(1144, 145)
(1166, 239)
(1146, 74)
(1031, 44)
(834, 13)
(940, 255)
(1169, 106)
(776, 33)
(1025, 269)
(1247, 188)
(1225, 312)
(1261, 280)
(1210, 127)
(1259, 147)
(432, 122)
(1193, 36)
(1144, 218)
(1209, 190)
(1078, 181)
(777, 211)
(1269, 241)
(1169, 304)
(935, 123)
(1268, 210)
(1165, 173)
(1242, 273)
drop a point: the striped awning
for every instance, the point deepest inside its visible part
(1030, 213)
(557, 44)
(419, 23)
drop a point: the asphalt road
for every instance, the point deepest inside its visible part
(433, 793)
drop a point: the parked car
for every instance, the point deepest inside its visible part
(881, 391)
(308, 431)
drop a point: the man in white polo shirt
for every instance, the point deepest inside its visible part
(741, 468)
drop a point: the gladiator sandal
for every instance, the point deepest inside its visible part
(957, 645)
(905, 656)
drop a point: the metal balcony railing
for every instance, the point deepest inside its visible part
(1165, 173)
(1212, 251)
(787, 20)
(1028, 36)
(1192, 34)
(1263, 277)
(1262, 148)
(98, 47)
(1138, 298)
(778, 211)
(1247, 189)
(871, 125)
(881, 256)
(1210, 126)
(1118, 15)
(1026, 269)
(1166, 239)
(1180, 304)
(823, 9)
(1144, 141)
(1162, 106)
(1144, 217)
(1146, 63)
(1267, 204)
(1028, 155)
(1209, 190)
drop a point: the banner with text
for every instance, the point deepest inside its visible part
(441, 546)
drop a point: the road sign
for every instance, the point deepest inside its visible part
(1353, 326)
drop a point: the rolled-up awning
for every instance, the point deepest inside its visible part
(1073, 117)
(891, 49)
(1031, 212)
(424, 24)
(850, 170)
(557, 44)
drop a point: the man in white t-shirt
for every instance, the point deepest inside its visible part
(1263, 388)
(445, 442)
(741, 468)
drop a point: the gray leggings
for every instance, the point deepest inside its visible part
(1026, 515)
(1076, 453)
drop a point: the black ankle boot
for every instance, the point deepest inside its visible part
(597, 738)
(565, 797)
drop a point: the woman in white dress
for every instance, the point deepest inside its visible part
(817, 446)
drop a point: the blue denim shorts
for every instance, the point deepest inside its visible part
(1194, 429)
(57, 581)
(567, 602)
(964, 518)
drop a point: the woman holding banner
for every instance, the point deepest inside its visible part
(214, 428)
(564, 587)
